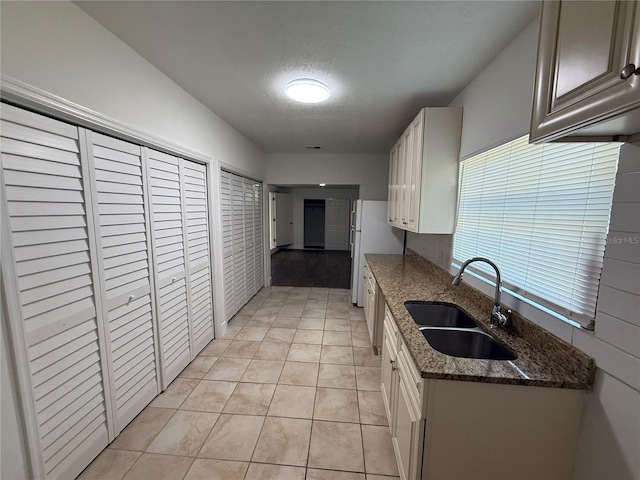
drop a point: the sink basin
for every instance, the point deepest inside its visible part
(429, 314)
(467, 344)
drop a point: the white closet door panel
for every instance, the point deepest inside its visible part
(42, 176)
(119, 195)
(258, 235)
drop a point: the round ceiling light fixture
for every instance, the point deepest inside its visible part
(306, 90)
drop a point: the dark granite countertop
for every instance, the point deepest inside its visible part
(543, 359)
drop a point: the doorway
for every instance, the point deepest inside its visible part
(314, 223)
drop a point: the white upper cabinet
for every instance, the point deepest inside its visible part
(423, 172)
(588, 72)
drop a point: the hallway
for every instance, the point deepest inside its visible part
(311, 268)
(291, 392)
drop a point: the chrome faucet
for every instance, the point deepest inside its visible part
(498, 319)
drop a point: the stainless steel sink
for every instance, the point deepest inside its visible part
(466, 343)
(433, 314)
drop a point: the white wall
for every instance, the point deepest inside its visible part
(497, 107)
(371, 172)
(57, 47)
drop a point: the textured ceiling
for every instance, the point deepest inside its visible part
(382, 60)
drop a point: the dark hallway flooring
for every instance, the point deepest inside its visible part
(311, 268)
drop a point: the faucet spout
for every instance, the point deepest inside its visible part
(497, 317)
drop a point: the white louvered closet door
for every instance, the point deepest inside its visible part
(194, 182)
(50, 275)
(238, 228)
(258, 236)
(250, 244)
(226, 213)
(168, 235)
(126, 283)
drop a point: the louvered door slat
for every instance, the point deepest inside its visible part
(199, 265)
(119, 193)
(170, 262)
(42, 177)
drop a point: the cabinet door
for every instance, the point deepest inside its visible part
(584, 46)
(415, 168)
(258, 235)
(168, 233)
(123, 242)
(388, 376)
(226, 213)
(407, 423)
(391, 192)
(49, 272)
(408, 181)
(198, 255)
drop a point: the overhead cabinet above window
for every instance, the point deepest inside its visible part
(423, 172)
(588, 74)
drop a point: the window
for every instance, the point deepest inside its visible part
(541, 212)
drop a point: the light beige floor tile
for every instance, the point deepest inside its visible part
(250, 399)
(144, 428)
(337, 324)
(371, 408)
(358, 327)
(272, 351)
(205, 469)
(337, 338)
(299, 373)
(291, 310)
(315, 311)
(284, 441)
(356, 315)
(338, 303)
(263, 471)
(111, 464)
(311, 323)
(232, 331)
(286, 322)
(159, 467)
(233, 437)
(361, 339)
(296, 300)
(263, 371)
(304, 352)
(379, 456)
(209, 396)
(336, 446)
(270, 310)
(337, 355)
(254, 334)
(241, 349)
(176, 393)
(364, 357)
(336, 376)
(368, 378)
(314, 474)
(240, 319)
(292, 401)
(308, 336)
(317, 301)
(215, 348)
(184, 434)
(333, 312)
(198, 367)
(336, 404)
(228, 369)
(280, 334)
(381, 477)
(262, 320)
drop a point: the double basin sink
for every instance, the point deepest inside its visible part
(451, 331)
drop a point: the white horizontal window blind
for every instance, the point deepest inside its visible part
(541, 212)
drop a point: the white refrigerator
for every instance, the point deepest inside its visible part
(370, 233)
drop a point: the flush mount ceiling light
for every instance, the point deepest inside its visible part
(306, 90)
(322, 184)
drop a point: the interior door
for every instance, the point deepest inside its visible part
(49, 275)
(238, 227)
(284, 219)
(123, 250)
(337, 216)
(168, 235)
(249, 242)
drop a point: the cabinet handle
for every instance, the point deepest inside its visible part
(391, 361)
(131, 298)
(629, 70)
(173, 279)
(394, 368)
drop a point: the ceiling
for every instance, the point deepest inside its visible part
(382, 60)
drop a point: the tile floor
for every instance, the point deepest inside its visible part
(291, 392)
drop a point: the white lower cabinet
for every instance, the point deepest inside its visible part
(446, 429)
(106, 279)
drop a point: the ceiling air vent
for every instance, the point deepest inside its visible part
(313, 147)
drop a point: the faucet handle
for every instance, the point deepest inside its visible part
(498, 319)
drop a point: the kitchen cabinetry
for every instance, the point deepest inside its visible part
(464, 429)
(373, 303)
(423, 172)
(588, 71)
(242, 240)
